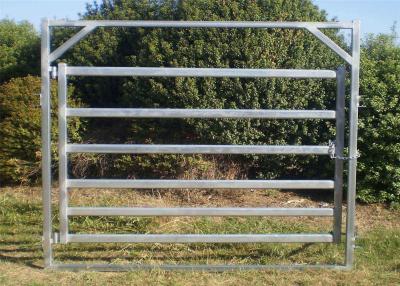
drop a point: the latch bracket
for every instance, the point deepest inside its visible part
(333, 155)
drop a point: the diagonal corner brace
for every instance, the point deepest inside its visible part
(71, 42)
(331, 44)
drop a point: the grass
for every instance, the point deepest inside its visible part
(377, 252)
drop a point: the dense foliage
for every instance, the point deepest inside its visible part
(379, 165)
(19, 50)
(20, 144)
(236, 48)
(379, 141)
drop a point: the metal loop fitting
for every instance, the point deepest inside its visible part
(53, 72)
(332, 153)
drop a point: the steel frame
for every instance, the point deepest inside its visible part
(50, 238)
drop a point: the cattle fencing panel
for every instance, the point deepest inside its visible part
(333, 149)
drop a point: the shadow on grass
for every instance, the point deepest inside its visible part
(22, 245)
(27, 261)
(313, 195)
(165, 254)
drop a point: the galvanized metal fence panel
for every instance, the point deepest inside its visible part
(335, 150)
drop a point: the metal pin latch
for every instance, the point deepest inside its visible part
(333, 155)
(359, 102)
(332, 149)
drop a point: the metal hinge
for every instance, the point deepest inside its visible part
(333, 155)
(53, 72)
(55, 238)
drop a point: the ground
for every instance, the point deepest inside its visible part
(377, 251)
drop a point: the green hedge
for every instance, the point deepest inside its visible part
(234, 48)
(19, 50)
(20, 144)
(379, 136)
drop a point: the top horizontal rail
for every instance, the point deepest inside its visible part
(203, 24)
(198, 72)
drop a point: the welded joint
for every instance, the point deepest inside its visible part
(57, 53)
(331, 44)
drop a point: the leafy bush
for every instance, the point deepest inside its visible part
(379, 166)
(235, 48)
(379, 137)
(19, 50)
(20, 144)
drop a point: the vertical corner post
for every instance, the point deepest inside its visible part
(62, 142)
(354, 100)
(339, 140)
(46, 142)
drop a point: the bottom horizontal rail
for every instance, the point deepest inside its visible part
(201, 238)
(193, 267)
(108, 211)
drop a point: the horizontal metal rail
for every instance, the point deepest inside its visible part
(106, 211)
(198, 72)
(200, 238)
(200, 184)
(203, 24)
(191, 267)
(195, 149)
(200, 113)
